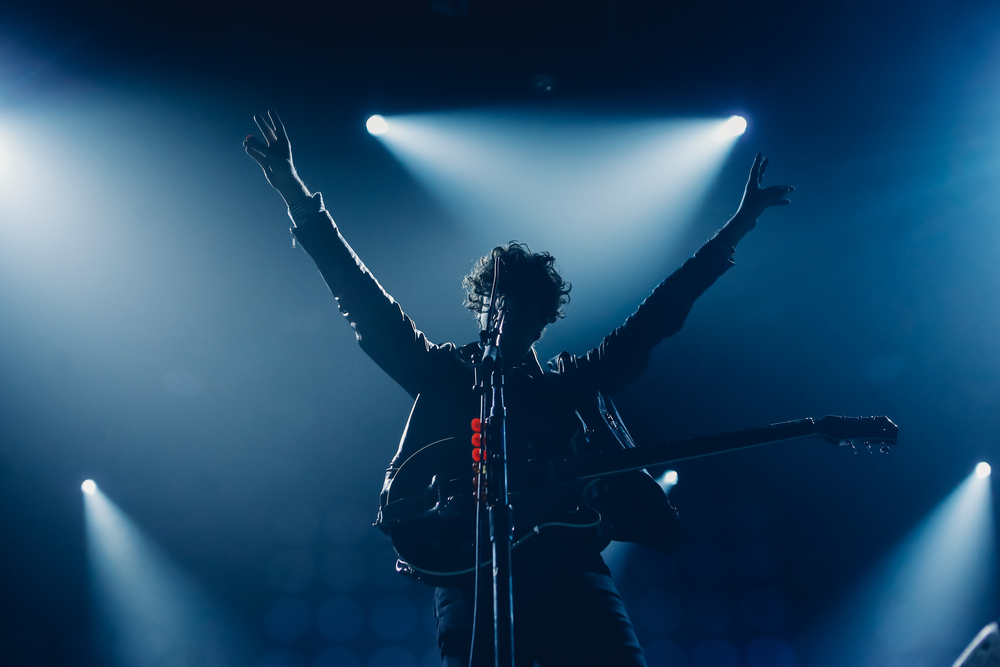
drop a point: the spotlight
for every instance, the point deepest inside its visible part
(90, 487)
(925, 595)
(376, 125)
(668, 478)
(735, 126)
(983, 469)
(148, 611)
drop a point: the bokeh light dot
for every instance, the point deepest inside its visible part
(658, 611)
(344, 569)
(340, 618)
(763, 609)
(292, 570)
(282, 657)
(769, 652)
(394, 617)
(287, 620)
(715, 653)
(392, 656)
(337, 656)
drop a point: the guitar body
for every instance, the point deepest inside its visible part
(430, 511)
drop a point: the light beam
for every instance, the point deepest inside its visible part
(149, 612)
(554, 178)
(557, 182)
(927, 598)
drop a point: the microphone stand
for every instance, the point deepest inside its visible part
(494, 442)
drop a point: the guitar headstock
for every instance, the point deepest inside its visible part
(858, 432)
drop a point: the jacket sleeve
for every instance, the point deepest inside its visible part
(624, 353)
(383, 330)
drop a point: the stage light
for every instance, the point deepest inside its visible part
(555, 179)
(147, 610)
(667, 481)
(735, 126)
(617, 554)
(89, 486)
(983, 469)
(376, 125)
(926, 597)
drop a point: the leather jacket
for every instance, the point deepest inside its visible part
(571, 412)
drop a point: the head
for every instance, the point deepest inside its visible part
(530, 283)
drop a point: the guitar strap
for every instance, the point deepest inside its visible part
(609, 413)
(633, 505)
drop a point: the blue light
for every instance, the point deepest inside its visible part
(735, 126)
(667, 481)
(377, 125)
(923, 598)
(147, 610)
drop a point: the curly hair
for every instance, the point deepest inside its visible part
(530, 278)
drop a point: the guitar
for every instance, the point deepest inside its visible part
(430, 510)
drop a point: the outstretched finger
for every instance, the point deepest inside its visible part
(257, 156)
(755, 169)
(776, 191)
(760, 174)
(279, 127)
(254, 142)
(265, 129)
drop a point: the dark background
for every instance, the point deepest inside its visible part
(159, 335)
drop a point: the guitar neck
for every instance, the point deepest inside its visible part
(606, 463)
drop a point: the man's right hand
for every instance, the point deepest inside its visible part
(275, 159)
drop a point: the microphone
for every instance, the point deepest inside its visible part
(494, 319)
(494, 330)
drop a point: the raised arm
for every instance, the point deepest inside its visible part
(624, 354)
(383, 330)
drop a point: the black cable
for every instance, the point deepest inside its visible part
(475, 585)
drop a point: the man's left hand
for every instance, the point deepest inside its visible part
(755, 200)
